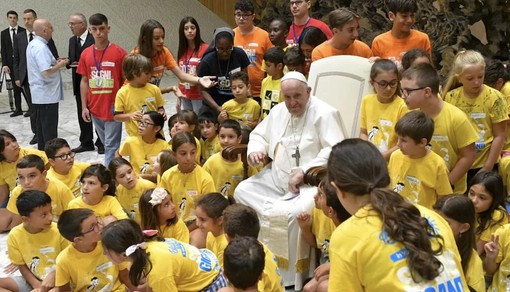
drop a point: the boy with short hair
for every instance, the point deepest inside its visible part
(210, 144)
(454, 137)
(63, 166)
(294, 60)
(94, 271)
(243, 264)
(227, 174)
(270, 95)
(401, 38)
(278, 31)
(241, 220)
(33, 176)
(34, 245)
(417, 173)
(241, 108)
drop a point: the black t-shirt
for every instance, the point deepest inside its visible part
(211, 66)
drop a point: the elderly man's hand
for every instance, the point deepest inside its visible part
(256, 158)
(296, 180)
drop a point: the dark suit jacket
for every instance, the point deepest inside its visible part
(75, 51)
(20, 55)
(6, 46)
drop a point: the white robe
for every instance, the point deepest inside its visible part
(267, 192)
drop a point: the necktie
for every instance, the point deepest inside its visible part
(13, 31)
(30, 37)
(79, 41)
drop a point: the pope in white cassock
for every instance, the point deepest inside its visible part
(296, 135)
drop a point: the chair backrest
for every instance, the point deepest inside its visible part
(342, 82)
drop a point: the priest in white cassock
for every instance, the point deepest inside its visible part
(296, 135)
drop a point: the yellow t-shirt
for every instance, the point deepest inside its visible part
(271, 280)
(178, 231)
(503, 258)
(226, 174)
(419, 180)
(322, 228)
(488, 108)
(186, 189)
(505, 90)
(199, 149)
(242, 112)
(129, 199)
(38, 251)
(217, 245)
(72, 179)
(130, 99)
(270, 94)
(8, 173)
(355, 268)
(141, 154)
(474, 275)
(452, 132)
(108, 206)
(90, 271)
(210, 147)
(59, 193)
(492, 225)
(178, 266)
(379, 120)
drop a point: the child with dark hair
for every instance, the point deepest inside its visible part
(278, 31)
(414, 57)
(417, 173)
(34, 245)
(310, 38)
(294, 60)
(242, 108)
(210, 143)
(163, 162)
(63, 166)
(270, 94)
(187, 121)
(83, 265)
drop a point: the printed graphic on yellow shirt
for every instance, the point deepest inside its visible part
(410, 186)
(441, 144)
(37, 264)
(101, 280)
(271, 99)
(380, 135)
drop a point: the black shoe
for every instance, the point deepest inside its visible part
(100, 150)
(26, 115)
(33, 141)
(16, 113)
(82, 148)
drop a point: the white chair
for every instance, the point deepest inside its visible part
(342, 81)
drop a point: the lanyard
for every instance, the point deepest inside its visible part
(186, 63)
(296, 40)
(98, 64)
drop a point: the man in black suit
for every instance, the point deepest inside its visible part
(20, 63)
(80, 40)
(7, 39)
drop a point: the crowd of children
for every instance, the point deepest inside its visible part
(161, 214)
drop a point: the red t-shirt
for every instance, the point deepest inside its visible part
(296, 30)
(189, 63)
(103, 68)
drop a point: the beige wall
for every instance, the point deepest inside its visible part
(124, 16)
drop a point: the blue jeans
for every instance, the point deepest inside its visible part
(110, 132)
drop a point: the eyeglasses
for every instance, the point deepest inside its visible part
(96, 227)
(71, 24)
(144, 123)
(408, 91)
(66, 155)
(297, 3)
(242, 15)
(220, 50)
(383, 84)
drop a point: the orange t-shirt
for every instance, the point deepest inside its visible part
(163, 60)
(255, 44)
(387, 46)
(357, 48)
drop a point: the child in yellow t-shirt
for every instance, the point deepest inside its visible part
(242, 108)
(187, 121)
(242, 221)
(144, 147)
(32, 176)
(209, 212)
(130, 187)
(163, 162)
(487, 192)
(227, 174)
(270, 94)
(459, 212)
(63, 166)
(34, 245)
(83, 265)
(381, 111)
(497, 259)
(187, 182)
(138, 96)
(417, 173)
(98, 194)
(209, 143)
(158, 213)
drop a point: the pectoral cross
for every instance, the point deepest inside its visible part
(296, 156)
